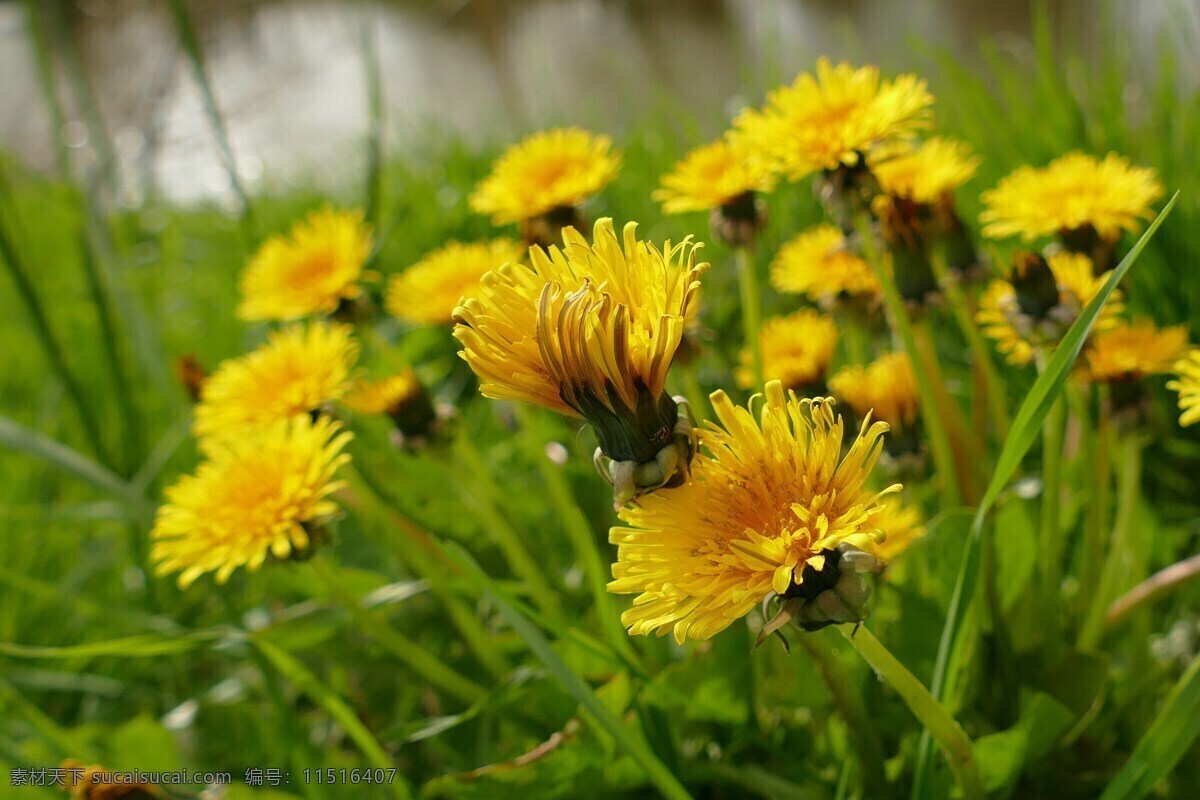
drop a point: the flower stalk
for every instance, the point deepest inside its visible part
(751, 307)
(943, 454)
(932, 715)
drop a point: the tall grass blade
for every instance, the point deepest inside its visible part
(1164, 743)
(1025, 429)
(375, 119)
(311, 685)
(186, 32)
(17, 437)
(148, 645)
(41, 328)
(626, 738)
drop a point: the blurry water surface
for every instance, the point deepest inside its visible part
(289, 75)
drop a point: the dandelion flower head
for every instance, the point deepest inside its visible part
(257, 496)
(297, 370)
(832, 119)
(428, 292)
(772, 495)
(549, 170)
(309, 271)
(1071, 193)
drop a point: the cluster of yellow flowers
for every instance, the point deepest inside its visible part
(263, 420)
(766, 501)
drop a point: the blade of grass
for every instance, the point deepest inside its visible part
(45, 67)
(17, 437)
(311, 685)
(419, 553)
(1025, 429)
(186, 32)
(582, 538)
(149, 645)
(375, 119)
(1164, 743)
(424, 663)
(45, 336)
(628, 739)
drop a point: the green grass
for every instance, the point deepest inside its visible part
(102, 662)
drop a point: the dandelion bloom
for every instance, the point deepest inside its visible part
(264, 493)
(1035, 308)
(712, 176)
(1071, 194)
(311, 270)
(818, 265)
(926, 173)
(1133, 351)
(832, 119)
(886, 388)
(796, 350)
(589, 331)
(545, 172)
(767, 505)
(298, 370)
(428, 292)
(400, 396)
(900, 526)
(1188, 386)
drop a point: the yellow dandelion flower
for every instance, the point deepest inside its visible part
(770, 500)
(796, 350)
(1071, 193)
(712, 176)
(898, 524)
(382, 396)
(547, 171)
(886, 388)
(296, 371)
(1188, 386)
(1132, 351)
(401, 397)
(525, 336)
(818, 265)
(260, 494)
(832, 119)
(590, 331)
(428, 292)
(925, 174)
(1019, 332)
(311, 270)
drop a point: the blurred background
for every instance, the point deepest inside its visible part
(291, 83)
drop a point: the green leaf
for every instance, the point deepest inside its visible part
(626, 739)
(311, 685)
(17, 437)
(1024, 432)
(1002, 756)
(1164, 743)
(143, 646)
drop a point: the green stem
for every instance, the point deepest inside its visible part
(747, 271)
(932, 715)
(582, 537)
(935, 425)
(502, 533)
(849, 702)
(421, 661)
(981, 355)
(54, 353)
(1049, 544)
(1097, 455)
(1119, 559)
